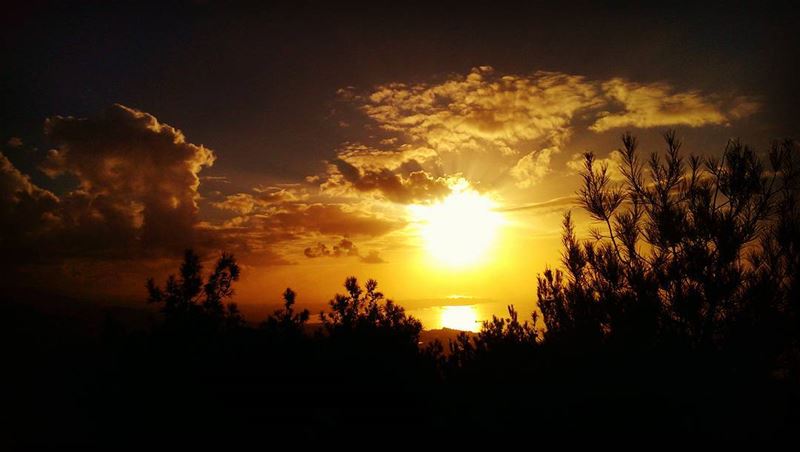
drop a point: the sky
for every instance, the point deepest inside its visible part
(433, 148)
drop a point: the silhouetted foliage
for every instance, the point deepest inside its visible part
(188, 299)
(670, 259)
(285, 321)
(366, 311)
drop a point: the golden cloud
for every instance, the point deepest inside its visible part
(657, 105)
(506, 115)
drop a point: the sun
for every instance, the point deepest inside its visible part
(460, 229)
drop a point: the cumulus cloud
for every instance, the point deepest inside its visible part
(14, 142)
(136, 189)
(136, 177)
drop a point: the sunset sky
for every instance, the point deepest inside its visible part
(433, 148)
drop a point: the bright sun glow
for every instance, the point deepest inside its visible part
(461, 318)
(460, 229)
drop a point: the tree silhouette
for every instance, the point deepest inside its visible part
(285, 321)
(187, 298)
(682, 248)
(366, 311)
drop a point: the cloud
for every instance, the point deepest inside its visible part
(345, 248)
(135, 190)
(465, 117)
(264, 197)
(372, 258)
(416, 186)
(657, 105)
(137, 178)
(482, 109)
(549, 205)
(531, 168)
(26, 211)
(14, 142)
(366, 157)
(240, 203)
(328, 219)
(743, 106)
(286, 212)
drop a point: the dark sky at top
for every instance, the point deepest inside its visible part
(257, 82)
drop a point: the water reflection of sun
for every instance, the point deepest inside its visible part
(463, 318)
